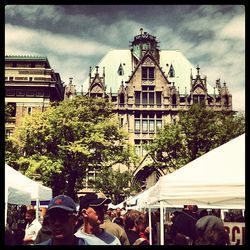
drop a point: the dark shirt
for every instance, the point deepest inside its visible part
(43, 234)
(184, 223)
(133, 236)
(118, 220)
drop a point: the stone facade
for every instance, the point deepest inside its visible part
(149, 98)
(30, 84)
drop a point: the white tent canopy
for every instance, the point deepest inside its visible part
(15, 196)
(214, 180)
(21, 182)
(18, 187)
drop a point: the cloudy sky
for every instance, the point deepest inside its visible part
(75, 37)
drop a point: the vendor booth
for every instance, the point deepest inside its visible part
(214, 180)
(21, 190)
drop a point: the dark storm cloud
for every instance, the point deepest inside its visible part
(75, 37)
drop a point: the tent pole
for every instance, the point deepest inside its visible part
(161, 224)
(150, 225)
(37, 208)
(5, 212)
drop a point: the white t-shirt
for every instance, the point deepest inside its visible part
(32, 229)
(102, 238)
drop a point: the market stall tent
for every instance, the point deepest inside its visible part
(214, 180)
(19, 181)
(16, 196)
(14, 180)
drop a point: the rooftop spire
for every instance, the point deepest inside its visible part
(198, 70)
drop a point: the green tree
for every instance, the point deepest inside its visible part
(114, 183)
(67, 140)
(197, 132)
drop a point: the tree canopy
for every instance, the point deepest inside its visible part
(68, 139)
(197, 131)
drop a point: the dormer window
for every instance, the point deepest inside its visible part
(171, 71)
(120, 70)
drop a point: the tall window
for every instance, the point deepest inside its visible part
(148, 73)
(226, 102)
(137, 97)
(147, 123)
(140, 149)
(174, 99)
(12, 109)
(122, 98)
(148, 96)
(158, 98)
(29, 110)
(145, 126)
(137, 126)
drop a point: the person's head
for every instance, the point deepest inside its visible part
(30, 215)
(203, 213)
(93, 207)
(134, 220)
(215, 236)
(118, 212)
(23, 209)
(61, 214)
(211, 231)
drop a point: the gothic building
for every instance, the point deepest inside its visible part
(148, 87)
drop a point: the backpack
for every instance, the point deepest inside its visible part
(138, 241)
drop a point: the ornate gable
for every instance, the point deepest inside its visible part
(97, 84)
(148, 62)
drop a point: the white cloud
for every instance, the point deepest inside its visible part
(60, 44)
(235, 29)
(211, 36)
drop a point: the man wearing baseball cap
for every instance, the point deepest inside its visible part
(62, 218)
(92, 209)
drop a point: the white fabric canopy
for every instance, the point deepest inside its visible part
(20, 182)
(214, 180)
(18, 186)
(15, 196)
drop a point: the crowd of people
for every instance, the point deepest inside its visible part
(96, 224)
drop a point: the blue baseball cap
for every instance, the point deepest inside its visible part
(63, 202)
